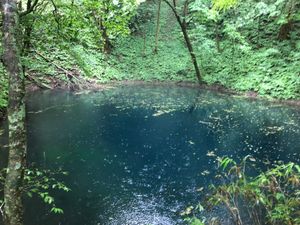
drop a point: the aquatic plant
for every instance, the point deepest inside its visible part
(271, 198)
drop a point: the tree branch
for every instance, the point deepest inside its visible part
(171, 6)
(174, 3)
(55, 13)
(185, 8)
(29, 9)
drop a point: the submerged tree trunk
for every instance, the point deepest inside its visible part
(13, 210)
(183, 26)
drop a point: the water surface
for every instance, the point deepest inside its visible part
(137, 154)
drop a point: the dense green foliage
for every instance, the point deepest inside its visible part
(238, 48)
(272, 197)
(4, 90)
(251, 55)
(63, 41)
(247, 46)
(40, 184)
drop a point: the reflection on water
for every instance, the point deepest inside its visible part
(136, 155)
(142, 210)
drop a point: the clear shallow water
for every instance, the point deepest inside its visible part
(137, 154)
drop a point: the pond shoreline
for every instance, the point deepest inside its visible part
(30, 88)
(151, 145)
(252, 95)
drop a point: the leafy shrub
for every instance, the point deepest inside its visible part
(40, 183)
(4, 89)
(271, 198)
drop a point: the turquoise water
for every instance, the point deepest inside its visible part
(137, 154)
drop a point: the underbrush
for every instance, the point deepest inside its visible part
(272, 197)
(269, 68)
(3, 91)
(266, 71)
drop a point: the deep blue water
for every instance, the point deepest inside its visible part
(137, 154)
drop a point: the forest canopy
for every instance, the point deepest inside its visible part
(249, 48)
(246, 46)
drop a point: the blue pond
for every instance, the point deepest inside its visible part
(137, 154)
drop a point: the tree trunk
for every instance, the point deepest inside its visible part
(183, 26)
(157, 27)
(289, 9)
(191, 50)
(27, 32)
(285, 30)
(107, 45)
(13, 209)
(218, 35)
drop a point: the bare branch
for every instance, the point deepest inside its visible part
(185, 8)
(29, 9)
(172, 7)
